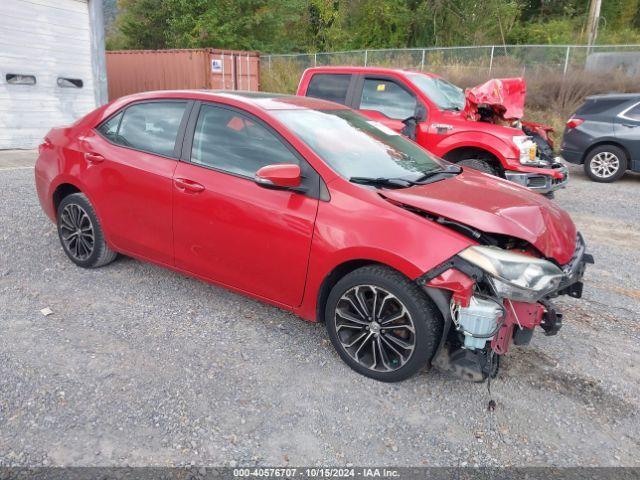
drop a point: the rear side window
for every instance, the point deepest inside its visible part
(109, 128)
(633, 113)
(597, 106)
(387, 97)
(227, 140)
(151, 127)
(332, 87)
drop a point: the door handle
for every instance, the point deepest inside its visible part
(630, 125)
(189, 185)
(93, 157)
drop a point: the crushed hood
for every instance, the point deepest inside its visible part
(496, 206)
(504, 95)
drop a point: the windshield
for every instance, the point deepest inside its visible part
(355, 146)
(444, 94)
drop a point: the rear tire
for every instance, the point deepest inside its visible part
(80, 233)
(397, 334)
(605, 164)
(480, 165)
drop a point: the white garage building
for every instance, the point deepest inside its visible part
(52, 66)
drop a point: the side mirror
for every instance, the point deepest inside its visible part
(421, 112)
(281, 176)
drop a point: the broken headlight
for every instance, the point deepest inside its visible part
(527, 148)
(514, 275)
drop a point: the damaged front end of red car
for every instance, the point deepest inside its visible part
(492, 298)
(524, 252)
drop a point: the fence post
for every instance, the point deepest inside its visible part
(566, 62)
(422, 61)
(315, 59)
(269, 63)
(366, 54)
(493, 47)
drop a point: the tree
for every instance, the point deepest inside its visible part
(329, 25)
(143, 23)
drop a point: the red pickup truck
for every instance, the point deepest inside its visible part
(480, 129)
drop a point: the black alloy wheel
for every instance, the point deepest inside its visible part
(80, 233)
(382, 324)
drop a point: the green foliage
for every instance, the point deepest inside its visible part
(329, 25)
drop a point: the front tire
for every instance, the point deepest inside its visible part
(605, 164)
(80, 233)
(480, 165)
(381, 324)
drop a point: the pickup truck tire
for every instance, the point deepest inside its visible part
(605, 164)
(479, 164)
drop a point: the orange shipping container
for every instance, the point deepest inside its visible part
(132, 71)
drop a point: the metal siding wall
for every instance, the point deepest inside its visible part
(48, 39)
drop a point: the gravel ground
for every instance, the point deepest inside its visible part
(142, 366)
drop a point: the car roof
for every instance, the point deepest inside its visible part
(366, 70)
(614, 96)
(262, 100)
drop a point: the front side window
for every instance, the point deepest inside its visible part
(151, 127)
(227, 140)
(387, 97)
(332, 87)
(355, 146)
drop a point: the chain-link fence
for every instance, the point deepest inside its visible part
(282, 72)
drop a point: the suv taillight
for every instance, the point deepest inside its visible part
(574, 122)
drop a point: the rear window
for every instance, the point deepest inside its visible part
(332, 87)
(633, 113)
(598, 105)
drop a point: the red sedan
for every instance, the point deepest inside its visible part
(313, 208)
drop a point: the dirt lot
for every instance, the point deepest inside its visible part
(141, 366)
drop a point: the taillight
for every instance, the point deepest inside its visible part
(574, 122)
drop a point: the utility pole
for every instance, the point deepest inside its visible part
(593, 20)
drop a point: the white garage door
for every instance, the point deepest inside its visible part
(46, 77)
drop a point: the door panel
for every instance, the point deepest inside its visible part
(396, 125)
(231, 230)
(133, 195)
(240, 234)
(132, 189)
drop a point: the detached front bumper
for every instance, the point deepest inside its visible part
(541, 180)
